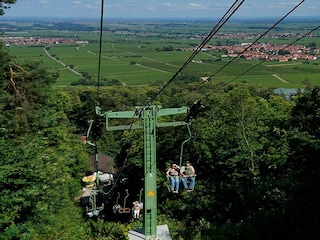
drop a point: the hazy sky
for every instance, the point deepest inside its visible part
(159, 8)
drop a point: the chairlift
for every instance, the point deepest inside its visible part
(117, 207)
(168, 182)
(184, 142)
(181, 153)
(93, 208)
(140, 198)
(140, 202)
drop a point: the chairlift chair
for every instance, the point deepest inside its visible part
(181, 153)
(122, 210)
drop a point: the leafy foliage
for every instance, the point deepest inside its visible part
(5, 4)
(42, 161)
(255, 155)
(243, 149)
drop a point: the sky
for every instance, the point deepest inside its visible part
(159, 8)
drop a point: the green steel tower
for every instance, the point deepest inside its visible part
(148, 122)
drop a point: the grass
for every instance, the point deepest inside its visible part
(126, 64)
(134, 56)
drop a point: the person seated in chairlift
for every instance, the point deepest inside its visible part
(104, 176)
(173, 173)
(89, 180)
(187, 173)
(116, 208)
(136, 209)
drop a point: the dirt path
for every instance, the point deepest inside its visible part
(155, 69)
(62, 63)
(280, 78)
(283, 65)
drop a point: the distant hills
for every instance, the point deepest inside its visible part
(293, 19)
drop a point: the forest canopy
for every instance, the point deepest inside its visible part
(256, 156)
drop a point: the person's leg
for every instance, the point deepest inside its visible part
(172, 180)
(191, 185)
(184, 181)
(177, 183)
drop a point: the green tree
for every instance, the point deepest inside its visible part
(303, 166)
(5, 4)
(238, 147)
(40, 157)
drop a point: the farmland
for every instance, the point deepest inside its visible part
(143, 53)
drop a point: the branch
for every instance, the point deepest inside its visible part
(241, 120)
(12, 73)
(246, 139)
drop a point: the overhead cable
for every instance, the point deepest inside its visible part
(100, 50)
(249, 46)
(235, 6)
(284, 48)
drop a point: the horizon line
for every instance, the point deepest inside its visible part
(4, 17)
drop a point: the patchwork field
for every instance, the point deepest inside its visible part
(140, 54)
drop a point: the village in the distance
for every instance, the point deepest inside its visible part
(243, 46)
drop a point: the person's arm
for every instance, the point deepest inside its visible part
(167, 173)
(193, 171)
(182, 171)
